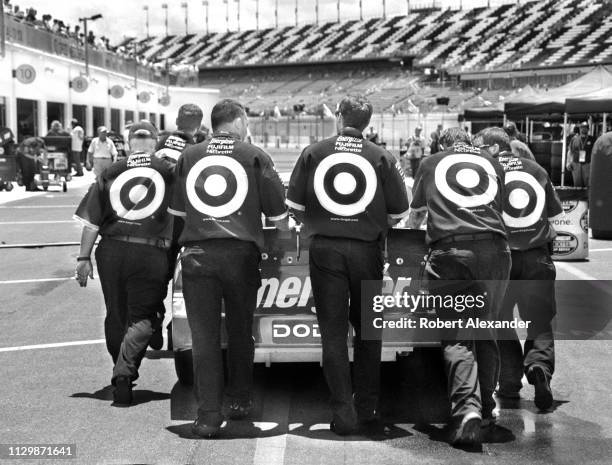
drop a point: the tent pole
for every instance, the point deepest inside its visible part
(564, 150)
(604, 124)
(527, 133)
(505, 119)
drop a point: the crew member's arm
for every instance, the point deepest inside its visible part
(554, 208)
(90, 152)
(89, 213)
(418, 206)
(296, 194)
(394, 189)
(177, 201)
(272, 195)
(572, 150)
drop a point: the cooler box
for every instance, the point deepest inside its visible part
(572, 241)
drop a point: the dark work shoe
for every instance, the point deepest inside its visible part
(157, 339)
(344, 429)
(467, 434)
(122, 395)
(239, 410)
(543, 394)
(203, 430)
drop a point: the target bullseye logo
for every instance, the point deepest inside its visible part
(460, 178)
(217, 186)
(525, 200)
(345, 184)
(137, 193)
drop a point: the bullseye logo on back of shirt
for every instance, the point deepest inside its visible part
(466, 180)
(137, 193)
(525, 200)
(345, 184)
(217, 186)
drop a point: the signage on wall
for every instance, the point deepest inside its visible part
(164, 100)
(26, 74)
(79, 84)
(144, 96)
(117, 91)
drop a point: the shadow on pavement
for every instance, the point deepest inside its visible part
(140, 396)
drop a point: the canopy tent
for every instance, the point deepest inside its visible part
(496, 111)
(553, 101)
(595, 102)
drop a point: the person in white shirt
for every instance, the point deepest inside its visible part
(102, 152)
(78, 136)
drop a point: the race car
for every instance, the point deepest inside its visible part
(285, 326)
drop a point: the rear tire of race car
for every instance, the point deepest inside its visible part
(183, 364)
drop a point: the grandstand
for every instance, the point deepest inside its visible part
(314, 64)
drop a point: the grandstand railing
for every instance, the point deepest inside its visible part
(47, 41)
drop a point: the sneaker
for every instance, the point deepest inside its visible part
(239, 410)
(541, 383)
(468, 432)
(122, 395)
(203, 430)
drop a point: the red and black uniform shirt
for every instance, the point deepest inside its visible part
(347, 187)
(461, 189)
(223, 186)
(530, 201)
(172, 145)
(130, 198)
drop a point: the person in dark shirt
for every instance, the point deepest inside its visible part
(127, 206)
(530, 203)
(222, 188)
(347, 191)
(461, 190)
(579, 156)
(188, 122)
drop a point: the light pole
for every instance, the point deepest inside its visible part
(276, 14)
(384, 9)
(84, 21)
(317, 11)
(146, 10)
(407, 7)
(165, 7)
(257, 14)
(238, 14)
(360, 10)
(338, 4)
(296, 13)
(205, 5)
(185, 5)
(226, 15)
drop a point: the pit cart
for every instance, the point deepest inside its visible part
(8, 160)
(285, 326)
(55, 167)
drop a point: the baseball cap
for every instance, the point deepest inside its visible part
(143, 129)
(102, 129)
(584, 124)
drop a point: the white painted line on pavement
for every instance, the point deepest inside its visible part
(7, 223)
(578, 273)
(37, 206)
(53, 345)
(271, 450)
(41, 280)
(600, 250)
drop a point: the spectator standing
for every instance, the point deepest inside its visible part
(102, 151)
(77, 135)
(579, 157)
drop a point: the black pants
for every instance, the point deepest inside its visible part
(532, 290)
(75, 161)
(215, 272)
(133, 278)
(471, 366)
(414, 165)
(337, 268)
(28, 169)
